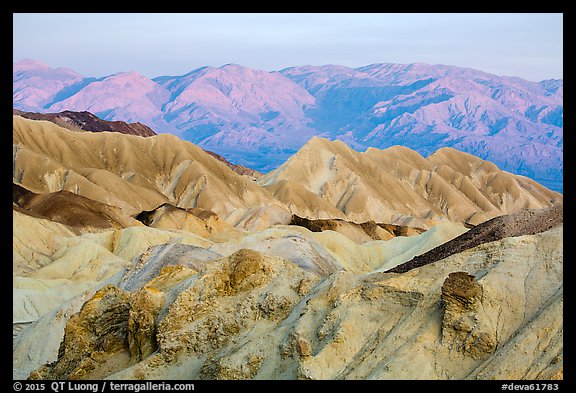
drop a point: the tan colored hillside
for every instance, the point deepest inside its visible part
(127, 171)
(399, 186)
(70, 209)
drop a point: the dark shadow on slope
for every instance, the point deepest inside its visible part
(68, 209)
(71, 90)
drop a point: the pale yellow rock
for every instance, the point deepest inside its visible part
(297, 243)
(33, 252)
(74, 270)
(132, 242)
(81, 263)
(251, 316)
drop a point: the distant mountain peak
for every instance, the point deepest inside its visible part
(27, 64)
(127, 74)
(32, 65)
(232, 66)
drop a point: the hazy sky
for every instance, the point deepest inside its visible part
(528, 45)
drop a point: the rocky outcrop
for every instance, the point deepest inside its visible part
(227, 299)
(464, 324)
(145, 306)
(113, 329)
(97, 331)
(116, 328)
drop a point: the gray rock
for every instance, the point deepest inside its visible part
(150, 264)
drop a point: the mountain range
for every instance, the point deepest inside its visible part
(258, 119)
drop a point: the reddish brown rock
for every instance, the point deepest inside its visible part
(88, 122)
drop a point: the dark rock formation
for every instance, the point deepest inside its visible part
(88, 122)
(369, 227)
(527, 222)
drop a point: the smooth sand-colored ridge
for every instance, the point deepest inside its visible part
(323, 180)
(398, 186)
(128, 171)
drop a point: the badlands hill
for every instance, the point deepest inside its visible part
(86, 121)
(131, 172)
(399, 186)
(147, 258)
(324, 180)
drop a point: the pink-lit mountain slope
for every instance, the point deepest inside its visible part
(258, 118)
